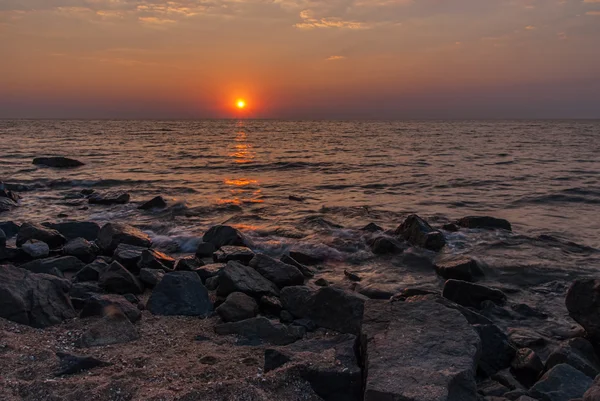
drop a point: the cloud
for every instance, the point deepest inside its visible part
(335, 58)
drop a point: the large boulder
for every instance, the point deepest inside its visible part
(458, 268)
(48, 265)
(282, 274)
(91, 271)
(259, 330)
(118, 280)
(109, 198)
(561, 383)
(583, 304)
(224, 235)
(496, 351)
(57, 162)
(235, 277)
(114, 328)
(418, 351)
(418, 232)
(307, 271)
(180, 293)
(113, 234)
(227, 253)
(151, 277)
(76, 229)
(37, 300)
(471, 295)
(82, 249)
(238, 306)
(31, 231)
(208, 271)
(485, 222)
(577, 352)
(102, 305)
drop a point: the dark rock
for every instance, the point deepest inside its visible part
(451, 227)
(157, 202)
(577, 352)
(151, 277)
(384, 245)
(308, 324)
(491, 388)
(371, 228)
(275, 359)
(8, 194)
(114, 328)
(103, 305)
(87, 230)
(212, 283)
(188, 264)
(7, 205)
(593, 394)
(180, 293)
(91, 271)
(270, 305)
(113, 234)
(152, 259)
(471, 295)
(29, 231)
(296, 300)
(418, 232)
(205, 250)
(405, 359)
(235, 277)
(583, 303)
(238, 306)
(132, 299)
(484, 222)
(260, 329)
(57, 162)
(73, 364)
(10, 228)
(227, 253)
(37, 300)
(82, 249)
(458, 268)
(2, 239)
(375, 291)
(13, 255)
(286, 317)
(62, 264)
(305, 258)
(296, 198)
(84, 291)
(321, 282)
(305, 270)
(352, 276)
(36, 249)
(224, 235)
(506, 378)
(117, 279)
(207, 271)
(471, 316)
(561, 383)
(527, 311)
(281, 274)
(527, 366)
(109, 198)
(496, 351)
(129, 256)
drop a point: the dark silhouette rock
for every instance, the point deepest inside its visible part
(235, 277)
(34, 231)
(2, 239)
(180, 293)
(8, 194)
(109, 198)
(371, 228)
(224, 235)
(384, 245)
(561, 383)
(306, 271)
(583, 304)
(84, 291)
(418, 232)
(153, 259)
(102, 305)
(259, 330)
(87, 230)
(321, 282)
(129, 256)
(281, 274)
(496, 350)
(471, 295)
(205, 250)
(157, 202)
(91, 271)
(208, 271)
(151, 277)
(577, 352)
(458, 268)
(57, 162)
(274, 359)
(73, 364)
(306, 258)
(9, 228)
(451, 227)
(238, 306)
(82, 249)
(188, 264)
(527, 366)
(47, 266)
(118, 280)
(270, 305)
(114, 328)
(7, 205)
(36, 249)
(485, 222)
(227, 253)
(113, 234)
(352, 276)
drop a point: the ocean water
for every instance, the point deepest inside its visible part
(543, 176)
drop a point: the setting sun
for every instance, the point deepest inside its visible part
(241, 104)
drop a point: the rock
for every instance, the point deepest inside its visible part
(129, 256)
(73, 364)
(235, 277)
(152, 259)
(275, 359)
(87, 230)
(371, 228)
(57, 162)
(409, 355)
(328, 307)
(205, 250)
(308, 324)
(305, 258)
(180, 293)
(29, 231)
(450, 227)
(84, 291)
(157, 202)
(525, 338)
(496, 350)
(7, 205)
(36, 249)
(321, 282)
(117, 279)
(114, 328)
(484, 222)
(212, 283)
(384, 245)
(8, 194)
(226, 253)
(270, 305)
(281, 274)
(2, 239)
(151, 277)
(458, 268)
(109, 198)
(9, 228)
(102, 305)
(593, 394)
(113, 234)
(260, 329)
(91, 271)
(82, 249)
(296, 198)
(188, 264)
(527, 366)
(561, 383)
(238, 306)
(286, 317)
(305, 270)
(577, 352)
(583, 304)
(471, 295)
(207, 271)
(224, 235)
(48, 265)
(352, 276)
(418, 232)
(527, 311)
(37, 300)
(491, 388)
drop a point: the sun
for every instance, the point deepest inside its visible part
(240, 104)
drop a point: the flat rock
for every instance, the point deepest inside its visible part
(57, 162)
(221, 235)
(114, 328)
(238, 306)
(485, 222)
(103, 305)
(51, 265)
(109, 198)
(227, 253)
(36, 249)
(82, 249)
(235, 277)
(34, 231)
(471, 295)
(151, 277)
(418, 232)
(583, 304)
(259, 330)
(73, 364)
(561, 383)
(118, 280)
(496, 350)
(153, 259)
(180, 293)
(577, 352)
(418, 351)
(76, 229)
(113, 234)
(281, 274)
(157, 202)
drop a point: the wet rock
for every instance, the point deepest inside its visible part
(484, 222)
(91, 271)
(8, 194)
(418, 232)
(238, 306)
(583, 304)
(527, 311)
(235, 277)
(51, 265)
(9, 228)
(180, 293)
(109, 198)
(281, 274)
(205, 250)
(371, 228)
(118, 280)
(270, 305)
(384, 245)
(113, 234)
(451, 227)
(405, 359)
(224, 235)
(37, 300)
(375, 291)
(352, 276)
(103, 305)
(129, 256)
(151, 277)
(82, 249)
(188, 264)
(114, 328)
(258, 330)
(87, 230)
(577, 352)
(7, 205)
(496, 350)
(73, 364)
(471, 295)
(306, 258)
(57, 162)
(296, 198)
(207, 271)
(305, 270)
(152, 259)
(527, 366)
(2, 239)
(321, 282)
(157, 202)
(34, 231)
(458, 268)
(36, 249)
(561, 383)
(227, 253)
(506, 378)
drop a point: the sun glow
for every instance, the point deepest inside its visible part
(241, 104)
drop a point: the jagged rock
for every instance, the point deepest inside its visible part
(114, 328)
(91, 271)
(384, 245)
(51, 265)
(30, 231)
(410, 356)
(583, 303)
(471, 316)
(87, 230)
(109, 198)
(281, 274)
(205, 250)
(102, 305)
(418, 232)
(57, 162)
(227, 253)
(471, 295)
(224, 235)
(9, 228)
(306, 271)
(208, 271)
(270, 305)
(152, 259)
(527, 366)
(238, 306)
(117, 279)
(82, 249)
(129, 256)
(577, 352)
(305, 258)
(484, 222)
(496, 350)
(180, 293)
(73, 364)
(458, 268)
(151, 277)
(188, 264)
(36, 249)
(260, 329)
(157, 202)
(37, 300)
(561, 383)
(235, 277)
(113, 234)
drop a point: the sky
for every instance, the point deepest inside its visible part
(305, 59)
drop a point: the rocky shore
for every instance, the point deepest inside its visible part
(96, 312)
